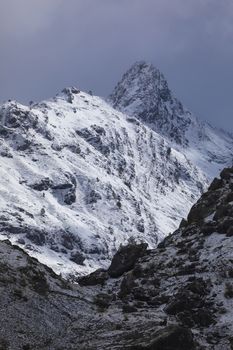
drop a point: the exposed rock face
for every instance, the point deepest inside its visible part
(97, 277)
(126, 258)
(214, 211)
(178, 296)
(143, 92)
(169, 338)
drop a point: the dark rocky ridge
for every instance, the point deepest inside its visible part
(178, 296)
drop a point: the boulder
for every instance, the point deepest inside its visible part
(226, 173)
(42, 185)
(70, 197)
(36, 236)
(103, 300)
(216, 184)
(97, 277)
(183, 301)
(125, 259)
(127, 285)
(77, 257)
(172, 337)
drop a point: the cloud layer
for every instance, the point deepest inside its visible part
(49, 44)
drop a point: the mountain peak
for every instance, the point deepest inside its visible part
(141, 82)
(143, 92)
(142, 66)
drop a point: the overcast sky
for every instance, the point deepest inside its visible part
(46, 45)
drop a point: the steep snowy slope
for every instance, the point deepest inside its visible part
(143, 92)
(79, 177)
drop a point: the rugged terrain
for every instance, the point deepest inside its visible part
(78, 177)
(143, 92)
(178, 296)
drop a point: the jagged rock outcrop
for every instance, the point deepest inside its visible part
(125, 258)
(143, 92)
(178, 296)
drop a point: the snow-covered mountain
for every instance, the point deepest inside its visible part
(143, 93)
(79, 177)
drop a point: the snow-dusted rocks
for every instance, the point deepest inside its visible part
(78, 177)
(185, 283)
(143, 93)
(178, 296)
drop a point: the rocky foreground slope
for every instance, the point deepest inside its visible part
(178, 296)
(79, 178)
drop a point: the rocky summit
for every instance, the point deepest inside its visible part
(144, 93)
(80, 176)
(178, 296)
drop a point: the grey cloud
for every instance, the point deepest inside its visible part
(49, 44)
